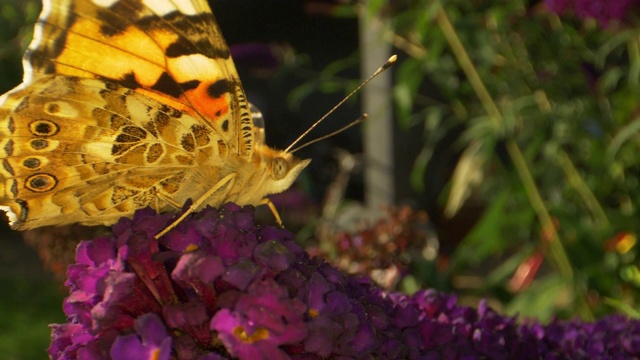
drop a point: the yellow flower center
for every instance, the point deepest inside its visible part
(258, 334)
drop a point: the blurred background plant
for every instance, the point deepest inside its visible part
(518, 129)
(534, 108)
(527, 164)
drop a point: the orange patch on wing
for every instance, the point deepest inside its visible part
(212, 108)
(196, 102)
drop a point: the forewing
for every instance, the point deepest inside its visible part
(172, 51)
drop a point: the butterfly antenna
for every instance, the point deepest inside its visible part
(353, 123)
(382, 68)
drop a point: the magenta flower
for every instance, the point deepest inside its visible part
(149, 342)
(262, 319)
(220, 287)
(604, 11)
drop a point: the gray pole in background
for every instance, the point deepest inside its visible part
(377, 102)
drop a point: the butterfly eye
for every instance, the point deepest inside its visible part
(279, 168)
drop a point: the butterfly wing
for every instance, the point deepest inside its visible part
(172, 51)
(84, 150)
(121, 100)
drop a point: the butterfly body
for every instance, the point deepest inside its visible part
(128, 104)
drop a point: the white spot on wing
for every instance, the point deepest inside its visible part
(164, 7)
(193, 67)
(104, 3)
(13, 218)
(186, 7)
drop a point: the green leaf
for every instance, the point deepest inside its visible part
(623, 135)
(623, 308)
(487, 237)
(297, 95)
(419, 168)
(404, 103)
(542, 299)
(466, 175)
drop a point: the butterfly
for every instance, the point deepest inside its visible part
(127, 104)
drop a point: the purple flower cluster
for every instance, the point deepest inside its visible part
(605, 11)
(219, 287)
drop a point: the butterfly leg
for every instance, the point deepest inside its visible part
(168, 200)
(227, 180)
(274, 211)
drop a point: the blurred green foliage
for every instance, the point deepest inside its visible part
(17, 18)
(28, 306)
(550, 142)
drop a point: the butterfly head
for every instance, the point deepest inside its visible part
(282, 169)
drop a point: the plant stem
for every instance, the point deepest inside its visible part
(556, 251)
(575, 180)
